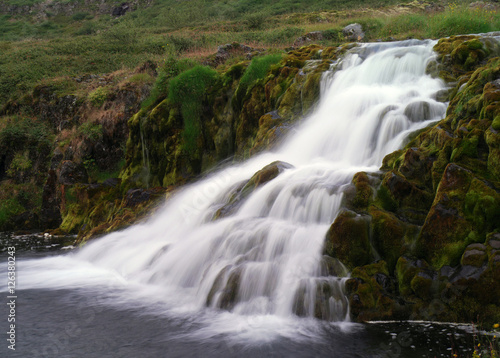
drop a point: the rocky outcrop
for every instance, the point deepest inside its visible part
(243, 113)
(64, 141)
(423, 247)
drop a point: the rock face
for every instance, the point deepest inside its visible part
(238, 119)
(44, 158)
(434, 216)
(72, 173)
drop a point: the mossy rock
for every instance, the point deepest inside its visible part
(415, 278)
(474, 255)
(348, 239)
(388, 235)
(371, 293)
(423, 285)
(459, 54)
(445, 230)
(482, 206)
(493, 142)
(229, 294)
(399, 195)
(240, 191)
(364, 191)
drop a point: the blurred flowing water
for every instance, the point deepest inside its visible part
(191, 282)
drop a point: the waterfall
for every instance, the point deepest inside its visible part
(263, 257)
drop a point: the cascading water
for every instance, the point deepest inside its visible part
(263, 257)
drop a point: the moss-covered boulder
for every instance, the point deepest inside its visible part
(388, 235)
(348, 239)
(240, 191)
(372, 294)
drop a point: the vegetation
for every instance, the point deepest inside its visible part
(188, 90)
(87, 42)
(256, 70)
(81, 78)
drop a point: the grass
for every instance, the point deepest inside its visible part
(86, 42)
(188, 90)
(255, 71)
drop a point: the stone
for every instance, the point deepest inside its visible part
(473, 257)
(72, 173)
(353, 32)
(348, 239)
(308, 38)
(121, 10)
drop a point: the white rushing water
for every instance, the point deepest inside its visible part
(264, 258)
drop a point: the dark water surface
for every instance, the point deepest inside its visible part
(91, 322)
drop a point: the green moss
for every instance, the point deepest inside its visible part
(496, 123)
(388, 235)
(257, 69)
(385, 199)
(422, 286)
(348, 239)
(405, 272)
(364, 191)
(98, 96)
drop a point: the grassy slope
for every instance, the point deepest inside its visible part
(84, 43)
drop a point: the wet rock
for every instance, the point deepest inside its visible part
(330, 303)
(348, 239)
(217, 285)
(332, 267)
(229, 294)
(241, 191)
(418, 111)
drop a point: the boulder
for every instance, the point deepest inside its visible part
(353, 32)
(348, 239)
(240, 191)
(120, 10)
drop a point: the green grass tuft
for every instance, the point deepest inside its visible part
(188, 89)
